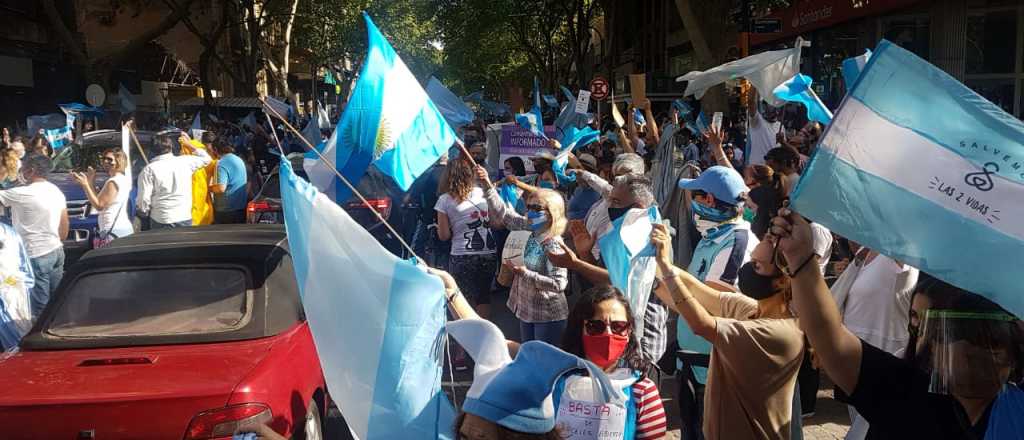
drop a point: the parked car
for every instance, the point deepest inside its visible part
(380, 192)
(82, 218)
(169, 335)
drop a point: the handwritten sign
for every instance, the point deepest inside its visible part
(515, 246)
(638, 88)
(583, 102)
(579, 417)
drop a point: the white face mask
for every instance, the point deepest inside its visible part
(703, 226)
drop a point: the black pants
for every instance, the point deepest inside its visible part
(809, 380)
(691, 406)
(229, 217)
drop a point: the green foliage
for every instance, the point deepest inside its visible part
(329, 31)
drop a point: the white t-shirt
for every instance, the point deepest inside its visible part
(761, 137)
(878, 305)
(36, 211)
(470, 224)
(117, 213)
(822, 245)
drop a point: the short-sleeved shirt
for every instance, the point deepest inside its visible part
(718, 257)
(892, 395)
(752, 374)
(36, 211)
(115, 218)
(877, 307)
(470, 223)
(231, 173)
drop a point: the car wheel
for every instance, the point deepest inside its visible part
(311, 427)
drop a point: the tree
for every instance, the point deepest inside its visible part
(490, 43)
(100, 70)
(711, 31)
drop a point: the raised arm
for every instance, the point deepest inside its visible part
(512, 220)
(715, 138)
(458, 304)
(652, 125)
(568, 259)
(594, 181)
(679, 296)
(838, 349)
(706, 295)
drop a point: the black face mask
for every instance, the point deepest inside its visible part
(615, 213)
(755, 285)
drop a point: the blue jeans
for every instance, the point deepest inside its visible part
(153, 224)
(48, 270)
(550, 332)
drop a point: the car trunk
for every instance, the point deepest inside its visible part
(121, 393)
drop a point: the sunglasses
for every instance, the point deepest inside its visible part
(108, 160)
(536, 208)
(597, 326)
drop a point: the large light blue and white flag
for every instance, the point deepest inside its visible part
(389, 122)
(533, 120)
(852, 68)
(312, 130)
(377, 321)
(63, 136)
(922, 169)
(628, 255)
(798, 89)
(456, 112)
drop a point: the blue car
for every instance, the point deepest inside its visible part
(82, 218)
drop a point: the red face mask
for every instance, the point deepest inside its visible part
(605, 349)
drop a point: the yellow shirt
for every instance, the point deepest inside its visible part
(202, 200)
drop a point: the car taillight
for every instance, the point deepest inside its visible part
(223, 422)
(259, 206)
(383, 206)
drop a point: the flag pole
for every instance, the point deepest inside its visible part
(131, 131)
(338, 173)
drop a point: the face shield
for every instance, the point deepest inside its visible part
(966, 354)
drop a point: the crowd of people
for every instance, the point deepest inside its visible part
(181, 182)
(765, 299)
(762, 298)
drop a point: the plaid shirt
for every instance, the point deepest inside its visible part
(537, 295)
(655, 338)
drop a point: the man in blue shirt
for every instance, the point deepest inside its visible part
(229, 188)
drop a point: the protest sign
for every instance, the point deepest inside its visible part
(638, 88)
(515, 141)
(583, 102)
(515, 246)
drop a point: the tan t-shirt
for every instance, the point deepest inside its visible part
(752, 374)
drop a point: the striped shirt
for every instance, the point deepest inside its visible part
(651, 422)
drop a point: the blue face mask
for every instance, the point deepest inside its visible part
(537, 220)
(713, 214)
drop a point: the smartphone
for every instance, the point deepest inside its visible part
(716, 121)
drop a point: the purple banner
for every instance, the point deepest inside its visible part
(518, 141)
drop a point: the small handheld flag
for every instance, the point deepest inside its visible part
(798, 89)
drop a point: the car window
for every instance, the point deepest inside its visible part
(272, 187)
(153, 302)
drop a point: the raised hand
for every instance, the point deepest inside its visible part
(793, 235)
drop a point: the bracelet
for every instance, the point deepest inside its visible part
(794, 273)
(452, 296)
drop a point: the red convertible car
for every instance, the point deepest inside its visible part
(179, 334)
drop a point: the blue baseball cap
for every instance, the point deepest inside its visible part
(722, 182)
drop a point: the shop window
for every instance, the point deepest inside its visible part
(911, 33)
(999, 91)
(992, 42)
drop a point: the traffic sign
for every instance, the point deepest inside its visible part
(599, 88)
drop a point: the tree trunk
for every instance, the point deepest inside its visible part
(715, 98)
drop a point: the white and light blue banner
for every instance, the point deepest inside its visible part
(852, 68)
(377, 321)
(798, 89)
(389, 122)
(922, 169)
(533, 119)
(629, 256)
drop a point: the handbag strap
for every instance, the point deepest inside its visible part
(113, 223)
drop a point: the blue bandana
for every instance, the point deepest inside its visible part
(708, 213)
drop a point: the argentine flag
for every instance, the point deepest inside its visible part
(628, 255)
(377, 321)
(533, 120)
(572, 139)
(389, 122)
(455, 112)
(852, 68)
(922, 169)
(798, 89)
